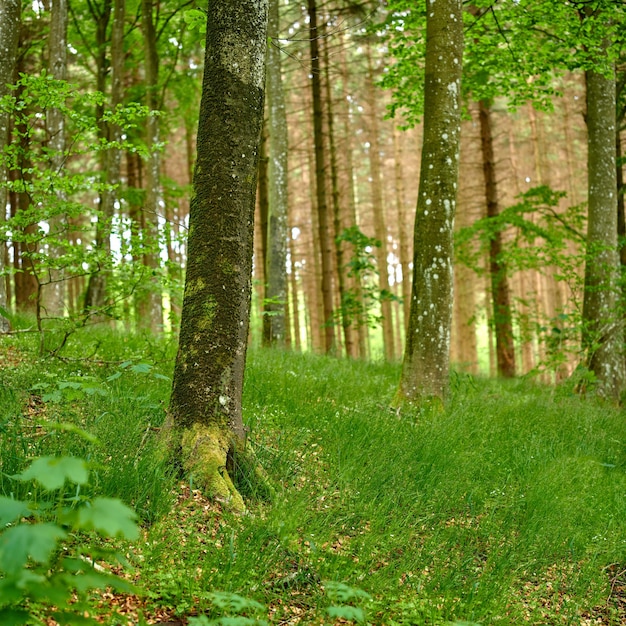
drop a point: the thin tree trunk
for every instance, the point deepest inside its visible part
(111, 162)
(380, 227)
(295, 299)
(150, 312)
(337, 217)
(278, 167)
(404, 252)
(53, 288)
(354, 282)
(500, 293)
(10, 17)
(320, 182)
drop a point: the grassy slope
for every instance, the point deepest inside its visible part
(508, 507)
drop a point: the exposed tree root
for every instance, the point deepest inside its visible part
(223, 468)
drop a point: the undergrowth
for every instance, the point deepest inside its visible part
(506, 507)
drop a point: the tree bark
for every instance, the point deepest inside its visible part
(380, 228)
(10, 17)
(403, 235)
(53, 289)
(337, 214)
(500, 293)
(602, 331)
(111, 162)
(426, 362)
(149, 300)
(205, 416)
(276, 264)
(320, 182)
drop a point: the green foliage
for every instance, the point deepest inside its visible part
(504, 507)
(235, 611)
(196, 20)
(513, 49)
(55, 223)
(539, 235)
(344, 598)
(46, 549)
(360, 306)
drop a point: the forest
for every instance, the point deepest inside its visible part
(312, 312)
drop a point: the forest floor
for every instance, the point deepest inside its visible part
(507, 507)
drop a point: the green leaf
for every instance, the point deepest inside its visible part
(340, 592)
(141, 368)
(352, 613)
(52, 472)
(234, 603)
(14, 617)
(109, 517)
(10, 510)
(28, 541)
(72, 428)
(74, 619)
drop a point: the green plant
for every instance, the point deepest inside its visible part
(237, 611)
(56, 212)
(359, 304)
(49, 546)
(345, 601)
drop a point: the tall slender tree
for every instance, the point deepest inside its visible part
(53, 287)
(276, 245)
(324, 223)
(427, 353)
(110, 162)
(10, 12)
(149, 301)
(500, 293)
(602, 333)
(205, 425)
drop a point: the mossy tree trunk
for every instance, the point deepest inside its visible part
(427, 353)
(10, 17)
(602, 324)
(205, 423)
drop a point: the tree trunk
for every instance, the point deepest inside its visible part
(354, 282)
(427, 353)
(53, 288)
(337, 215)
(276, 264)
(26, 279)
(403, 236)
(320, 182)
(500, 293)
(150, 305)
(111, 163)
(10, 17)
(380, 227)
(205, 417)
(602, 326)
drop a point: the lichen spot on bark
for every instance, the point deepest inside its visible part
(194, 287)
(204, 452)
(237, 57)
(209, 310)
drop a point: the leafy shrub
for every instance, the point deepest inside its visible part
(48, 547)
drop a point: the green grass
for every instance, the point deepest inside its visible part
(507, 507)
